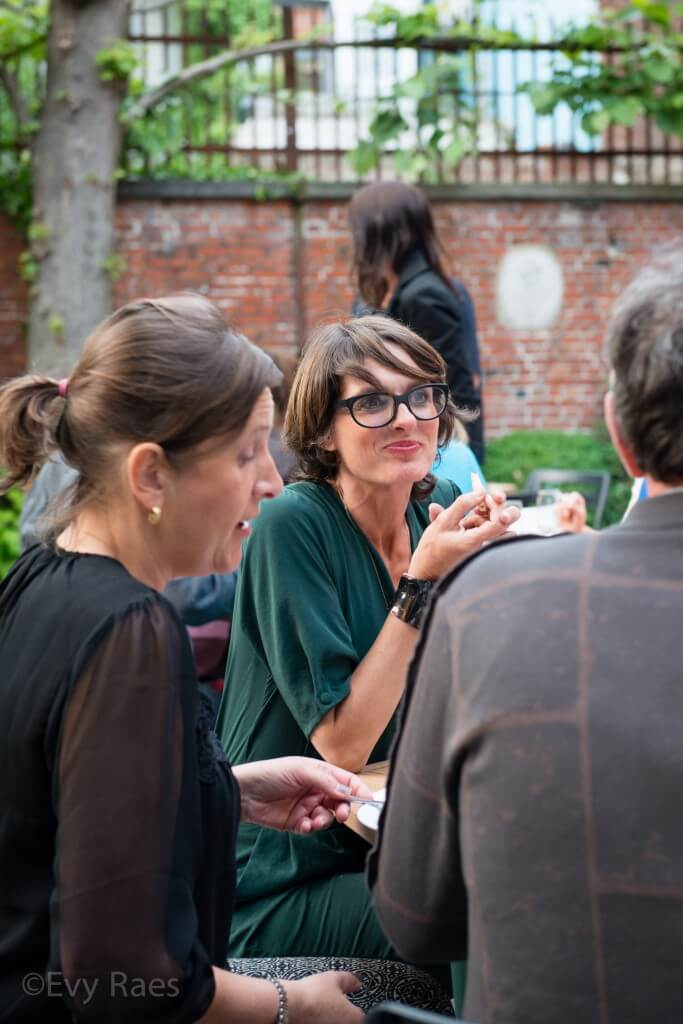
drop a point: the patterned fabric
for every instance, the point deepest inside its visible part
(382, 979)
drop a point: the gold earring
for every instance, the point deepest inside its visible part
(154, 515)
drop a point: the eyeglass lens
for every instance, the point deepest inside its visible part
(377, 410)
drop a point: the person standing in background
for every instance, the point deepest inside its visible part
(398, 266)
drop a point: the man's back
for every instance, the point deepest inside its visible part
(551, 691)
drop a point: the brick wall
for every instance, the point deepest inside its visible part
(13, 301)
(240, 254)
(244, 255)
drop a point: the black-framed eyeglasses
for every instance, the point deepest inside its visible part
(378, 408)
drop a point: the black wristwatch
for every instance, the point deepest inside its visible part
(410, 600)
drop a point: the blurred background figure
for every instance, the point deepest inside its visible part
(457, 462)
(398, 266)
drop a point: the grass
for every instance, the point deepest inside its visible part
(511, 458)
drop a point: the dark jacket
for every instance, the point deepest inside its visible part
(534, 819)
(445, 318)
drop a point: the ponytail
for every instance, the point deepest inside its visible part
(31, 408)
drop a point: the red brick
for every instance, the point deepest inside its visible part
(241, 254)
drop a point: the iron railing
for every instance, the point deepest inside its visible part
(304, 111)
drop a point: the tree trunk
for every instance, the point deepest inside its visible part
(75, 158)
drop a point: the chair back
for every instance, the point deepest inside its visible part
(593, 484)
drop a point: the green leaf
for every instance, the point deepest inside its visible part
(364, 157)
(624, 111)
(402, 160)
(455, 151)
(596, 121)
(117, 61)
(657, 12)
(386, 126)
(661, 69)
(419, 164)
(413, 88)
(670, 121)
(544, 97)
(428, 113)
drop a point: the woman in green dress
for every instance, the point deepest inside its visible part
(333, 582)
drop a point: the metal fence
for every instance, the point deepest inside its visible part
(305, 110)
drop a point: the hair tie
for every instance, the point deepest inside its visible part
(62, 385)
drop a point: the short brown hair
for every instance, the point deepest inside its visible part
(167, 370)
(645, 347)
(337, 350)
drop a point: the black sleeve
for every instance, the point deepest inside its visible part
(438, 320)
(127, 800)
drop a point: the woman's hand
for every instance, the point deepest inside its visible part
(296, 794)
(572, 514)
(458, 531)
(321, 999)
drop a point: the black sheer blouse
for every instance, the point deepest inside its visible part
(118, 813)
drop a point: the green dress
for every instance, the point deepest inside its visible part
(313, 595)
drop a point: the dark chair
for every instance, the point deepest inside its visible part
(397, 1013)
(593, 484)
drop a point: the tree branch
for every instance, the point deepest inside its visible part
(24, 48)
(207, 67)
(448, 44)
(224, 59)
(10, 84)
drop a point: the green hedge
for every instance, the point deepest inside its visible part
(511, 458)
(10, 509)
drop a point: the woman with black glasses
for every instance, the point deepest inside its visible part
(334, 581)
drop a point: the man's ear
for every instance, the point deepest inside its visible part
(628, 459)
(146, 471)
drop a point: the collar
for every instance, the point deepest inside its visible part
(666, 510)
(415, 263)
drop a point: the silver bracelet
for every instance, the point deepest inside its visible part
(282, 1005)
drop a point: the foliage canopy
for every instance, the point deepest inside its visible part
(618, 67)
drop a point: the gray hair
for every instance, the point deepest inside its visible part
(645, 348)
